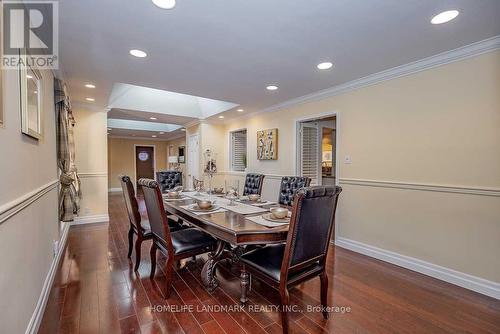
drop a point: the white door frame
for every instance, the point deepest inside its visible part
(297, 134)
(135, 162)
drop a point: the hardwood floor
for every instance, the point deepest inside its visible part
(97, 291)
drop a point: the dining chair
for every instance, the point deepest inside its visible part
(169, 179)
(174, 245)
(289, 187)
(253, 184)
(303, 256)
(138, 226)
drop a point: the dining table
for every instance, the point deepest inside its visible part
(237, 226)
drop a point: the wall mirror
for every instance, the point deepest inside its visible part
(31, 100)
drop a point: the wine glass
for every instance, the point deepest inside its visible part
(232, 187)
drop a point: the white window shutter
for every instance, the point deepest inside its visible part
(309, 146)
(238, 150)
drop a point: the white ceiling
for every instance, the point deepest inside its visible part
(229, 50)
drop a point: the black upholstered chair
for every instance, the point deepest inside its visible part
(253, 184)
(289, 187)
(138, 226)
(174, 245)
(168, 179)
(304, 255)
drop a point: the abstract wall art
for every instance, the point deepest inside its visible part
(267, 144)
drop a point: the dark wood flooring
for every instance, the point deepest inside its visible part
(97, 291)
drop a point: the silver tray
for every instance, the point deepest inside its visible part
(267, 216)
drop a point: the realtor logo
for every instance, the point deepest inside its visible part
(30, 29)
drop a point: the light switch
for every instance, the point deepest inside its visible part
(347, 159)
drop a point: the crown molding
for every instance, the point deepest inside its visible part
(142, 138)
(447, 57)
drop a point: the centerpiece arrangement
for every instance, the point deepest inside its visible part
(210, 162)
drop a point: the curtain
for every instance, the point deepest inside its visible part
(70, 193)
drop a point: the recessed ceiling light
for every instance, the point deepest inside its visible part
(183, 130)
(272, 87)
(89, 85)
(109, 129)
(152, 118)
(138, 53)
(164, 4)
(240, 110)
(154, 136)
(325, 66)
(221, 117)
(162, 133)
(91, 99)
(445, 16)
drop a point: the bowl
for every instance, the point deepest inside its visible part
(173, 194)
(218, 190)
(204, 204)
(279, 213)
(254, 197)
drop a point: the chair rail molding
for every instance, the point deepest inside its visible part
(474, 283)
(423, 187)
(87, 175)
(36, 318)
(12, 208)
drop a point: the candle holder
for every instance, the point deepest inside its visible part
(210, 167)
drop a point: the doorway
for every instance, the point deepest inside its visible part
(144, 163)
(317, 149)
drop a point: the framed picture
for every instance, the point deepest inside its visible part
(267, 144)
(182, 158)
(31, 100)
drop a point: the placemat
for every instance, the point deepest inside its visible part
(221, 209)
(261, 221)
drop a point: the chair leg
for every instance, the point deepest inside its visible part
(152, 254)
(285, 302)
(244, 282)
(168, 276)
(138, 244)
(130, 241)
(324, 293)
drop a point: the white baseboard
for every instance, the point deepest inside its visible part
(115, 190)
(480, 285)
(36, 318)
(90, 219)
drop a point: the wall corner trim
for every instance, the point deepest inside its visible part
(470, 282)
(36, 318)
(92, 219)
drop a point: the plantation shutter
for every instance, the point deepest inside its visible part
(239, 150)
(309, 152)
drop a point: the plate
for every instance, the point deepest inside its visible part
(252, 202)
(195, 208)
(268, 216)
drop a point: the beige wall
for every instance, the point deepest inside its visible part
(26, 238)
(121, 157)
(91, 160)
(436, 127)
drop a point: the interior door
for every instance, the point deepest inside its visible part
(144, 163)
(193, 159)
(309, 161)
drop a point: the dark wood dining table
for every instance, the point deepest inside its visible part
(233, 231)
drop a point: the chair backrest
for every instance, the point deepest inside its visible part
(289, 187)
(253, 184)
(156, 212)
(169, 179)
(311, 227)
(131, 202)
